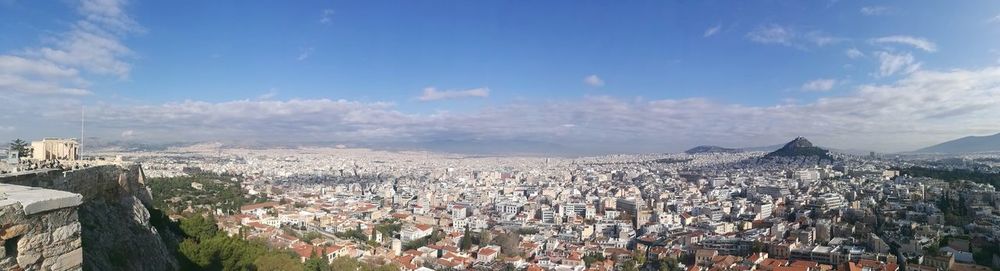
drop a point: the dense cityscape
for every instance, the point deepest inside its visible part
(797, 208)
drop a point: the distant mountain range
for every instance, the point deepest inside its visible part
(711, 149)
(798, 148)
(717, 149)
(494, 147)
(769, 148)
(967, 144)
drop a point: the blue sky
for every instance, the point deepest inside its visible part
(594, 76)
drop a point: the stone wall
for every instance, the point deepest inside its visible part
(116, 233)
(39, 229)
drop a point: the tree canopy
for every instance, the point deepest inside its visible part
(21, 147)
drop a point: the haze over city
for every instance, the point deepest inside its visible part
(582, 77)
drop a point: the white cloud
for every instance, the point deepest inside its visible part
(819, 85)
(309, 119)
(271, 93)
(919, 109)
(91, 46)
(874, 10)
(128, 134)
(109, 15)
(38, 76)
(94, 42)
(42, 68)
(90, 51)
(890, 63)
(789, 36)
(304, 53)
(854, 53)
(16, 83)
(821, 39)
(326, 17)
(919, 43)
(994, 19)
(712, 30)
(772, 34)
(432, 94)
(593, 80)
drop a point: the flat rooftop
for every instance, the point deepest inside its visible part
(35, 200)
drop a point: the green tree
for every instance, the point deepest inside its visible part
(206, 249)
(278, 262)
(344, 263)
(485, 237)
(630, 265)
(316, 263)
(389, 228)
(310, 236)
(591, 258)
(190, 249)
(199, 227)
(757, 247)
(640, 257)
(509, 243)
(466, 242)
(222, 253)
(21, 147)
(669, 264)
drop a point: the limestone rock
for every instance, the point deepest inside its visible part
(68, 261)
(13, 231)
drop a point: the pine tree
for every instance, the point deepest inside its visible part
(21, 147)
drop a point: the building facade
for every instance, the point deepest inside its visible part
(55, 149)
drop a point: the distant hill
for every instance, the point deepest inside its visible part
(494, 147)
(710, 149)
(717, 149)
(967, 144)
(763, 148)
(798, 148)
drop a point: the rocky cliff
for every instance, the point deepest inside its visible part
(116, 231)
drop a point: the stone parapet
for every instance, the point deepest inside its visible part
(39, 229)
(113, 218)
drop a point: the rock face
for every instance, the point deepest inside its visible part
(116, 232)
(800, 147)
(710, 149)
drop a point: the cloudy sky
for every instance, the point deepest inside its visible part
(586, 76)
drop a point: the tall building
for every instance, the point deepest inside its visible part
(55, 149)
(774, 191)
(828, 201)
(806, 175)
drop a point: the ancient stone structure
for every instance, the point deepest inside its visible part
(55, 149)
(39, 229)
(114, 226)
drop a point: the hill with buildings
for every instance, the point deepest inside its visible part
(800, 147)
(969, 144)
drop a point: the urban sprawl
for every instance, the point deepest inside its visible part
(726, 210)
